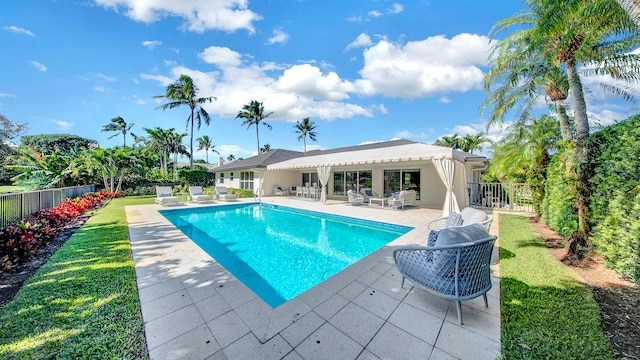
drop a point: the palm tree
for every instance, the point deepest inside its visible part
(184, 92)
(632, 7)
(567, 33)
(469, 142)
(523, 153)
(265, 148)
(253, 114)
(175, 147)
(306, 128)
(231, 157)
(118, 125)
(204, 143)
(453, 141)
(156, 143)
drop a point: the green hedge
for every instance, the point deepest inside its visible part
(615, 202)
(196, 177)
(558, 208)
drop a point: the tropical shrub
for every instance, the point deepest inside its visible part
(196, 177)
(21, 239)
(558, 207)
(615, 203)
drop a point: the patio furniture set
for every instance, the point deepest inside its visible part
(396, 201)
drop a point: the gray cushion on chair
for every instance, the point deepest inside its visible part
(453, 236)
(461, 234)
(472, 216)
(454, 219)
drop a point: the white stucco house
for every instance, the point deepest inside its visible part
(439, 175)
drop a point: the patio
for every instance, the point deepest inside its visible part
(193, 308)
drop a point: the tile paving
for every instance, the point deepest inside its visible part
(193, 308)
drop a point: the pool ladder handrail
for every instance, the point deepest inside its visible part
(257, 196)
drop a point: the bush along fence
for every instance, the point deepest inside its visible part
(18, 206)
(20, 240)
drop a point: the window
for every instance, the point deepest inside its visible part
(231, 177)
(311, 178)
(221, 178)
(344, 181)
(397, 180)
(246, 180)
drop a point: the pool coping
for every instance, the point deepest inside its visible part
(192, 307)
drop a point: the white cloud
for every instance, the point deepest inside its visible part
(308, 80)
(151, 44)
(18, 30)
(99, 88)
(375, 13)
(445, 100)
(39, 66)
(278, 37)
(424, 68)
(406, 134)
(221, 56)
(164, 80)
(198, 15)
(363, 40)
(604, 118)
(356, 19)
(63, 125)
(8, 95)
(106, 77)
(395, 9)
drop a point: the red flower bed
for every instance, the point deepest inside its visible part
(20, 240)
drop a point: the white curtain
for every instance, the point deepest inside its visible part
(446, 169)
(323, 175)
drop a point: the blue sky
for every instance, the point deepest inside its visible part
(363, 71)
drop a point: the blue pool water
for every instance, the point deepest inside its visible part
(280, 252)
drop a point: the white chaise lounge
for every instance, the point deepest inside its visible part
(197, 195)
(164, 196)
(222, 194)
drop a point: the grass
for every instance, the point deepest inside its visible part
(83, 303)
(546, 312)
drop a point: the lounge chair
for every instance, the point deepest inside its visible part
(278, 190)
(222, 194)
(455, 264)
(164, 196)
(197, 195)
(355, 199)
(467, 216)
(402, 199)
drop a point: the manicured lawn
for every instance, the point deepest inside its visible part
(546, 312)
(83, 303)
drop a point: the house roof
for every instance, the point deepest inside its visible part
(260, 160)
(385, 152)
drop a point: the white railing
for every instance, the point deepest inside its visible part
(18, 206)
(515, 197)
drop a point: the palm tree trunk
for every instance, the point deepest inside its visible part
(304, 141)
(258, 137)
(578, 244)
(191, 154)
(124, 135)
(565, 125)
(632, 7)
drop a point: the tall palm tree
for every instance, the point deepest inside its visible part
(156, 143)
(231, 157)
(306, 128)
(265, 148)
(175, 147)
(565, 34)
(470, 142)
(632, 7)
(184, 92)
(119, 126)
(204, 143)
(253, 114)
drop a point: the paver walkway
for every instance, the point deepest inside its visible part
(193, 308)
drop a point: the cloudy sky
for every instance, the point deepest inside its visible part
(363, 71)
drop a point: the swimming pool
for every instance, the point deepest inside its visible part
(280, 252)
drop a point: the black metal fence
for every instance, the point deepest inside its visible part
(515, 197)
(18, 206)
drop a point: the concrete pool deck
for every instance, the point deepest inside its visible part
(193, 308)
